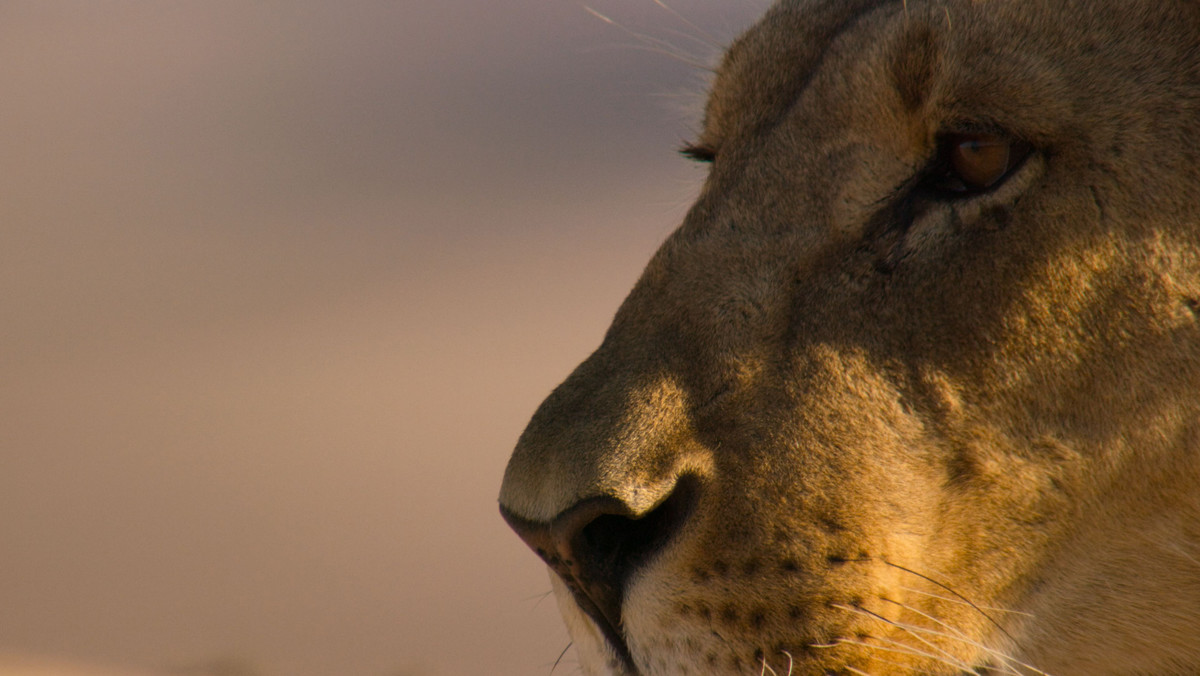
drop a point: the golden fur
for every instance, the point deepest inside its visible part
(918, 434)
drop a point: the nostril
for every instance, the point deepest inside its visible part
(596, 546)
(612, 546)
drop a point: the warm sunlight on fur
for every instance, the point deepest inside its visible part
(915, 388)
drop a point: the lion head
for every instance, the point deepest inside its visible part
(915, 387)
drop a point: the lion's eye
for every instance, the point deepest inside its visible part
(972, 163)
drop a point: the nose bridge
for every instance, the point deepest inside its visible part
(712, 307)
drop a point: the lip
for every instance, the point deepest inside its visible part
(596, 546)
(587, 591)
(612, 635)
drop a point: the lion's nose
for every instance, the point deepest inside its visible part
(596, 546)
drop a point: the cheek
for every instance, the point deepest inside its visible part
(927, 236)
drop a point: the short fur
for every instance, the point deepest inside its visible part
(962, 438)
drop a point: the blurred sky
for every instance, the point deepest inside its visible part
(280, 284)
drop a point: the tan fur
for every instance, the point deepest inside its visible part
(969, 443)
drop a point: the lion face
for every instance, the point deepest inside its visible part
(915, 387)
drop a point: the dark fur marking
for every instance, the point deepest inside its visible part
(914, 66)
(729, 614)
(758, 618)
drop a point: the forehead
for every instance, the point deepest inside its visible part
(971, 58)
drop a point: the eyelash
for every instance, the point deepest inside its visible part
(698, 153)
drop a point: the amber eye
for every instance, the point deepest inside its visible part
(975, 162)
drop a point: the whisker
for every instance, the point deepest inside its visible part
(560, 656)
(900, 648)
(965, 599)
(768, 668)
(909, 667)
(701, 34)
(667, 52)
(651, 43)
(958, 635)
(948, 657)
(953, 634)
(1178, 549)
(538, 598)
(856, 671)
(791, 662)
(703, 42)
(966, 603)
(874, 657)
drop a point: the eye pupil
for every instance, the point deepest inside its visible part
(980, 160)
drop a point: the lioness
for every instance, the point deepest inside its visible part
(915, 387)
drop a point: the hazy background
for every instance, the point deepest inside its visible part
(280, 284)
